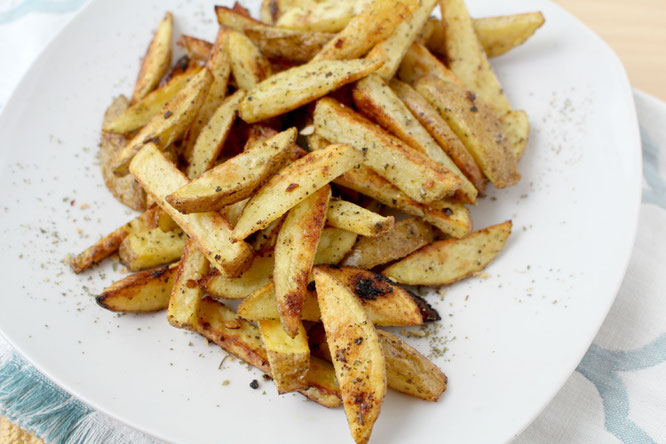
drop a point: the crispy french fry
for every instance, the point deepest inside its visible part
(257, 276)
(141, 292)
(334, 244)
(500, 34)
(248, 64)
(407, 236)
(477, 125)
(418, 62)
(237, 178)
(374, 98)
(418, 176)
(451, 260)
(294, 254)
(152, 248)
(292, 185)
(210, 231)
(297, 86)
(351, 217)
(356, 352)
(375, 23)
(157, 60)
(186, 293)
(289, 357)
(196, 49)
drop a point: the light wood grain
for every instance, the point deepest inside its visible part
(636, 30)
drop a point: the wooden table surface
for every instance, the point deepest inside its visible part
(636, 30)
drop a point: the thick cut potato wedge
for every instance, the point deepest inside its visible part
(293, 184)
(242, 339)
(351, 217)
(517, 128)
(294, 254)
(196, 49)
(141, 292)
(124, 188)
(297, 86)
(451, 260)
(500, 34)
(288, 357)
(477, 125)
(237, 178)
(450, 217)
(170, 123)
(394, 48)
(418, 62)
(375, 23)
(325, 16)
(441, 132)
(110, 243)
(248, 64)
(210, 231)
(407, 236)
(152, 248)
(408, 371)
(356, 352)
(413, 172)
(374, 98)
(334, 244)
(186, 293)
(257, 276)
(157, 60)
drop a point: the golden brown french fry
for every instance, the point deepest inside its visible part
(186, 293)
(451, 260)
(248, 64)
(374, 98)
(157, 60)
(407, 236)
(210, 231)
(292, 185)
(517, 128)
(294, 254)
(477, 125)
(257, 276)
(152, 248)
(196, 49)
(500, 34)
(325, 16)
(297, 86)
(289, 357)
(334, 244)
(237, 178)
(356, 352)
(261, 305)
(418, 62)
(351, 217)
(375, 23)
(418, 176)
(141, 292)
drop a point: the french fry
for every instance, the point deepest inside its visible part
(297, 86)
(170, 123)
(325, 16)
(517, 128)
(440, 131)
(418, 62)
(292, 185)
(477, 125)
(289, 357)
(248, 64)
(261, 305)
(210, 231)
(374, 98)
(334, 244)
(233, 212)
(351, 217)
(164, 221)
(451, 260)
(257, 276)
(356, 352)
(418, 176)
(266, 238)
(375, 23)
(157, 60)
(152, 248)
(407, 236)
(186, 293)
(294, 254)
(196, 49)
(500, 34)
(237, 178)
(142, 292)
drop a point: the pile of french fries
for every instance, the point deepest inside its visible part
(307, 164)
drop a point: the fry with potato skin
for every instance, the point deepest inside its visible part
(248, 64)
(418, 62)
(151, 248)
(289, 357)
(186, 293)
(157, 60)
(257, 276)
(196, 49)
(325, 16)
(351, 217)
(500, 34)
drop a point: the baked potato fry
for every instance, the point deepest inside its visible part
(418, 62)
(517, 128)
(356, 352)
(293, 184)
(407, 235)
(261, 305)
(325, 16)
(257, 276)
(351, 217)
(451, 260)
(289, 357)
(375, 23)
(142, 292)
(500, 34)
(237, 178)
(248, 64)
(266, 238)
(334, 244)
(413, 172)
(157, 60)
(294, 254)
(297, 86)
(164, 221)
(152, 248)
(186, 293)
(408, 371)
(210, 231)
(197, 49)
(374, 98)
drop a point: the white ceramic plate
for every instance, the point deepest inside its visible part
(511, 340)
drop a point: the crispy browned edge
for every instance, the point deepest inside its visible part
(121, 288)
